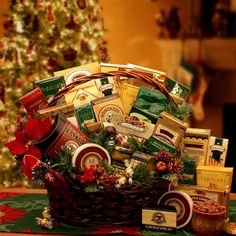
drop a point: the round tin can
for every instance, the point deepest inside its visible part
(63, 134)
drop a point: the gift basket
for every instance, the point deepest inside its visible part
(98, 142)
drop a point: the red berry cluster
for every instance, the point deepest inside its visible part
(165, 162)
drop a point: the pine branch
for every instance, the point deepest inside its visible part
(180, 111)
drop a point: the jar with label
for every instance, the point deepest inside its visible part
(120, 153)
(118, 156)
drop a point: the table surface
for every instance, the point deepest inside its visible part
(43, 191)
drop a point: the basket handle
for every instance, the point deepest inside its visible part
(145, 77)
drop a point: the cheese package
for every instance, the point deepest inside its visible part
(214, 177)
(160, 218)
(105, 107)
(129, 125)
(83, 97)
(74, 73)
(89, 87)
(217, 151)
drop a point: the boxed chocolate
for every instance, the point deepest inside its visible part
(128, 96)
(217, 151)
(214, 177)
(170, 129)
(50, 86)
(160, 218)
(194, 144)
(75, 73)
(129, 125)
(34, 101)
(105, 107)
(155, 144)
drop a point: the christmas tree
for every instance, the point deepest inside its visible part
(42, 37)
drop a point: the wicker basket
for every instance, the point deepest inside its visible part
(75, 207)
(70, 204)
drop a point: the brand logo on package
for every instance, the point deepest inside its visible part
(158, 218)
(134, 123)
(217, 148)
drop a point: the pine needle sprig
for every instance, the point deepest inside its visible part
(141, 175)
(180, 111)
(135, 144)
(63, 163)
(109, 169)
(91, 188)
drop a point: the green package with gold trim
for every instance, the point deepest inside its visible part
(155, 144)
(50, 86)
(85, 116)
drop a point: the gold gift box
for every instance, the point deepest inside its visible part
(214, 177)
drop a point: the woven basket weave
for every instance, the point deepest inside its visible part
(70, 204)
(75, 207)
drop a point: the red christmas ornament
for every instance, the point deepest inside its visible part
(81, 4)
(71, 24)
(9, 24)
(102, 52)
(51, 64)
(83, 44)
(27, 19)
(40, 5)
(2, 92)
(161, 167)
(69, 54)
(35, 23)
(50, 14)
(31, 47)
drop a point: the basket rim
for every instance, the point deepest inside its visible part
(149, 78)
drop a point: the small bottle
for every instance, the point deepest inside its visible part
(121, 153)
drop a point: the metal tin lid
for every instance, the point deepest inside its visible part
(183, 204)
(90, 154)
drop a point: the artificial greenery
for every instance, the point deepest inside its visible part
(180, 111)
(142, 175)
(135, 144)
